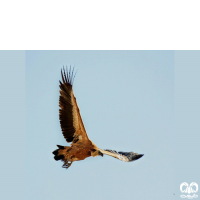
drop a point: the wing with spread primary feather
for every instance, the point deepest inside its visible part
(70, 119)
(124, 156)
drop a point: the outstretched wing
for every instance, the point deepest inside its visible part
(69, 114)
(124, 156)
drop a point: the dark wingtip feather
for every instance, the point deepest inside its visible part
(133, 156)
(68, 75)
(138, 156)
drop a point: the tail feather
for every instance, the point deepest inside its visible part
(55, 152)
(58, 153)
(60, 147)
(58, 157)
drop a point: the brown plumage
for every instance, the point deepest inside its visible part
(74, 131)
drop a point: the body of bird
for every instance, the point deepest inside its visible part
(74, 131)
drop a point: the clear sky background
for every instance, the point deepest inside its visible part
(128, 102)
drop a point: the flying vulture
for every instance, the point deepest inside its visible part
(74, 131)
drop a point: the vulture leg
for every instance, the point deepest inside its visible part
(67, 164)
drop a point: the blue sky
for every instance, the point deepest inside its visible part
(128, 102)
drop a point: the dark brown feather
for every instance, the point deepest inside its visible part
(69, 114)
(65, 111)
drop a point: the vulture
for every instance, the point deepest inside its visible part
(74, 131)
